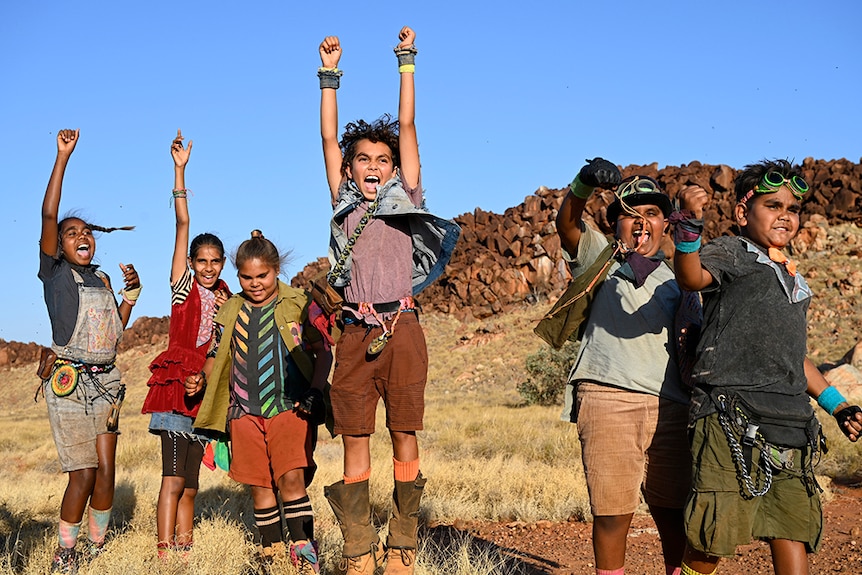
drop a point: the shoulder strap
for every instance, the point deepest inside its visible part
(566, 319)
(338, 268)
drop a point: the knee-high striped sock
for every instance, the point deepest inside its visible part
(300, 519)
(67, 533)
(268, 523)
(98, 524)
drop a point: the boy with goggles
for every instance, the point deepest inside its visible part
(625, 392)
(754, 434)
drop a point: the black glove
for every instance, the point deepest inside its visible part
(311, 405)
(845, 415)
(600, 173)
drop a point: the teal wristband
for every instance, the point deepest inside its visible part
(830, 399)
(688, 247)
(580, 190)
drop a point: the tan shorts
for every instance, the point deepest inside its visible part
(397, 374)
(718, 518)
(631, 443)
(262, 450)
(78, 418)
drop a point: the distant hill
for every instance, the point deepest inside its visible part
(504, 260)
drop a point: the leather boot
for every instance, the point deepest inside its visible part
(403, 527)
(362, 552)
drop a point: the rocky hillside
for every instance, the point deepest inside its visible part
(515, 257)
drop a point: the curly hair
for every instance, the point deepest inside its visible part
(383, 129)
(752, 174)
(259, 248)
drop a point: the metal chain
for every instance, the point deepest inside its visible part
(742, 472)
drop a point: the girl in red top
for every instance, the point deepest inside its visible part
(196, 292)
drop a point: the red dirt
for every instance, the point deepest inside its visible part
(548, 548)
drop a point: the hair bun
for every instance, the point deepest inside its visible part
(257, 234)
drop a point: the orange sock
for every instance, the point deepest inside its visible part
(406, 470)
(358, 478)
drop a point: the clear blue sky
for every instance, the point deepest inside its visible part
(510, 97)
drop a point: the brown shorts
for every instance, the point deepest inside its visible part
(262, 450)
(397, 374)
(631, 443)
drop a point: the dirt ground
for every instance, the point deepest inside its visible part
(548, 548)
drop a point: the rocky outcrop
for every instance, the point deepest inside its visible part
(508, 259)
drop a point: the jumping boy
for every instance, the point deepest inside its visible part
(624, 390)
(755, 437)
(384, 249)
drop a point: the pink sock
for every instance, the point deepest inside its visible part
(620, 571)
(67, 533)
(671, 570)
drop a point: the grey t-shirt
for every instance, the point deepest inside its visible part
(753, 339)
(628, 341)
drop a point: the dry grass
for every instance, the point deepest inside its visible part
(488, 457)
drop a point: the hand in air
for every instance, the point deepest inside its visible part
(693, 198)
(180, 154)
(66, 141)
(407, 37)
(130, 276)
(330, 52)
(600, 173)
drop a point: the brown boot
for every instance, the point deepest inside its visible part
(403, 527)
(351, 504)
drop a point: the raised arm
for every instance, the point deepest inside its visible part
(690, 275)
(597, 173)
(179, 263)
(408, 144)
(330, 54)
(49, 240)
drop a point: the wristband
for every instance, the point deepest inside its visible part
(329, 77)
(688, 247)
(409, 68)
(580, 190)
(130, 296)
(829, 399)
(406, 56)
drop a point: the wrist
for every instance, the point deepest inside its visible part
(579, 189)
(830, 399)
(329, 77)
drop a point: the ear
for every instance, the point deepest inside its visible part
(740, 214)
(666, 230)
(348, 172)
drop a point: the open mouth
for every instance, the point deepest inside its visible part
(83, 250)
(371, 183)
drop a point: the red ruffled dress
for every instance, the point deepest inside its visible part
(182, 359)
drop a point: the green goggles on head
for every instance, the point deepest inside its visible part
(772, 181)
(637, 185)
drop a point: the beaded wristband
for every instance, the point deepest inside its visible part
(830, 398)
(688, 247)
(406, 56)
(329, 77)
(179, 193)
(579, 189)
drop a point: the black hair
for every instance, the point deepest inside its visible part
(260, 248)
(752, 174)
(76, 215)
(205, 239)
(383, 129)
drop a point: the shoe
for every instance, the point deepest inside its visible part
(400, 562)
(65, 561)
(94, 549)
(304, 556)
